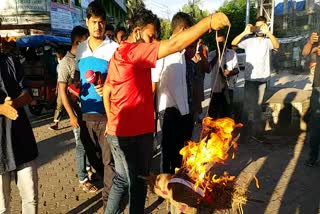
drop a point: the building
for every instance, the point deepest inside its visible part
(302, 17)
(57, 17)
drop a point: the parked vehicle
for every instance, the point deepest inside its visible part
(39, 64)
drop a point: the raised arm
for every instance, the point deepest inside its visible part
(308, 47)
(215, 21)
(273, 39)
(238, 38)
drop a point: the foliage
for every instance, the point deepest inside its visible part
(133, 4)
(236, 12)
(197, 14)
(194, 10)
(165, 29)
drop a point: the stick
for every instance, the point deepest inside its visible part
(231, 145)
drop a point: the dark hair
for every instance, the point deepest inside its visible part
(142, 17)
(120, 29)
(109, 27)
(261, 19)
(96, 9)
(181, 20)
(78, 32)
(61, 51)
(221, 33)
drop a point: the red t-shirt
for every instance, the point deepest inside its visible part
(129, 76)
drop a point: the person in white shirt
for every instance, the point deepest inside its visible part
(176, 121)
(257, 73)
(223, 79)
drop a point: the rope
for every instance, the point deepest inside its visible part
(220, 58)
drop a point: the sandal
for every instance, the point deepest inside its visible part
(88, 187)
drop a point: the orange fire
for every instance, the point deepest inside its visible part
(198, 158)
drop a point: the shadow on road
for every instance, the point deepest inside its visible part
(89, 206)
(51, 148)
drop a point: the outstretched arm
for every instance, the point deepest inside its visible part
(215, 21)
(308, 47)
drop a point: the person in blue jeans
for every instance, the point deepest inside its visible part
(128, 100)
(68, 79)
(312, 47)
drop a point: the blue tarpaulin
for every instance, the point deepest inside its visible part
(39, 40)
(300, 6)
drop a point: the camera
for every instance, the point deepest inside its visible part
(255, 29)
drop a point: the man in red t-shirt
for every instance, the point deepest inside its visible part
(128, 100)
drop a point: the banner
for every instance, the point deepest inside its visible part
(15, 7)
(64, 18)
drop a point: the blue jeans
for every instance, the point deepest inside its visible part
(252, 111)
(314, 124)
(81, 157)
(132, 157)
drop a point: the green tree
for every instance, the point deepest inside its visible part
(194, 10)
(236, 12)
(133, 4)
(165, 29)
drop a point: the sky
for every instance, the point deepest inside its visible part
(167, 8)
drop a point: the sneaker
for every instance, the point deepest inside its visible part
(54, 127)
(87, 186)
(91, 175)
(310, 163)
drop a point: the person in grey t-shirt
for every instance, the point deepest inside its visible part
(257, 73)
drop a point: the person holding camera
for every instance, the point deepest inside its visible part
(257, 41)
(310, 48)
(223, 79)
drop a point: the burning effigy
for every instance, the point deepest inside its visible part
(196, 187)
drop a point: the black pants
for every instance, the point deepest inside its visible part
(98, 150)
(221, 104)
(176, 130)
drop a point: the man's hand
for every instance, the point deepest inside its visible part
(197, 58)
(74, 122)
(226, 72)
(8, 110)
(248, 29)
(314, 38)
(264, 29)
(99, 90)
(219, 21)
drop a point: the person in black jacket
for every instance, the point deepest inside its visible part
(18, 145)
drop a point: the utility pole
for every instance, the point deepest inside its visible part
(248, 12)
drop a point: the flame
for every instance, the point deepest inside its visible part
(198, 158)
(257, 182)
(233, 155)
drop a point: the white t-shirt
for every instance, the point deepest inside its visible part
(257, 58)
(218, 82)
(170, 74)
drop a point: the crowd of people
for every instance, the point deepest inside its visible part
(114, 83)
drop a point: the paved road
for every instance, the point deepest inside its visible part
(286, 185)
